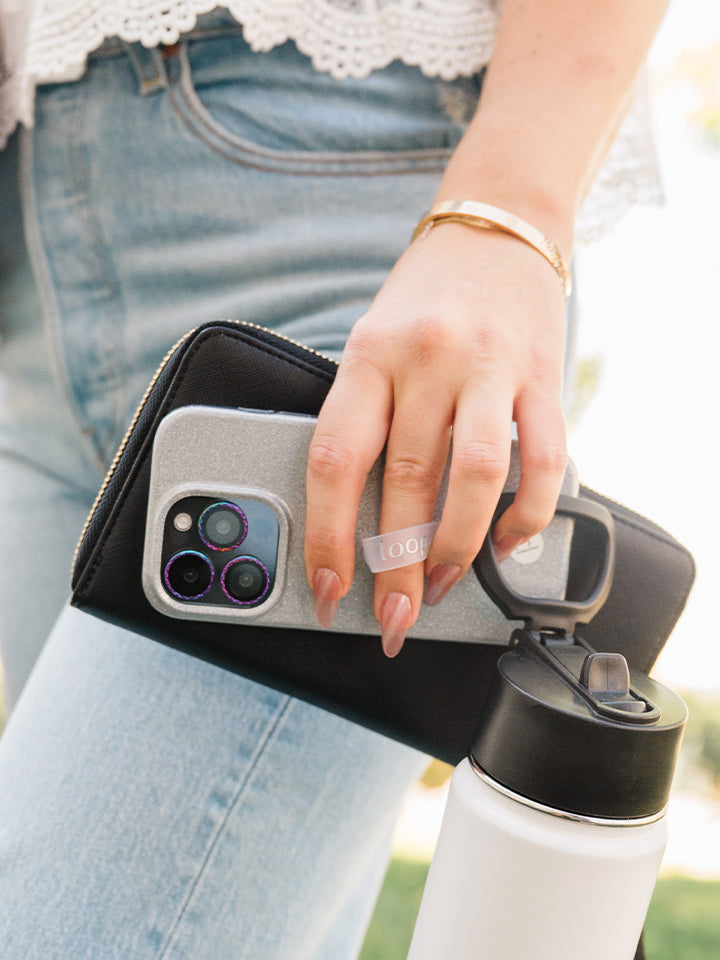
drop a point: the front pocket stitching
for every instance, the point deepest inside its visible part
(191, 109)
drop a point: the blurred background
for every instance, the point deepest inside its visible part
(645, 433)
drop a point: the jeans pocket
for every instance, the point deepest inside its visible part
(273, 111)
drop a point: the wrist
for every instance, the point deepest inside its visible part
(487, 216)
(524, 192)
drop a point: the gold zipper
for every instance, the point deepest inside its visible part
(143, 401)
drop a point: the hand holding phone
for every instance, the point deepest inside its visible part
(225, 531)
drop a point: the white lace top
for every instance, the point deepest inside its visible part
(49, 40)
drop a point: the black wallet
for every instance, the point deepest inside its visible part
(430, 696)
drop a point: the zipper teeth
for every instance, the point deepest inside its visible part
(143, 401)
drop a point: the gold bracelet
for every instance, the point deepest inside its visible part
(493, 218)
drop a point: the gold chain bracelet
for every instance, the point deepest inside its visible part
(487, 217)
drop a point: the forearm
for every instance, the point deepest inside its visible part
(559, 80)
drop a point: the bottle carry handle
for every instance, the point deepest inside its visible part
(542, 613)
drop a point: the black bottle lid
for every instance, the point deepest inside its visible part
(551, 734)
(565, 726)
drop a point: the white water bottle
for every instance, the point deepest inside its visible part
(554, 828)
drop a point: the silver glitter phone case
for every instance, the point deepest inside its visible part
(213, 455)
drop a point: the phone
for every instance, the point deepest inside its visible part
(225, 528)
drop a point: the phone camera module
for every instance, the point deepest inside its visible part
(223, 526)
(245, 580)
(189, 575)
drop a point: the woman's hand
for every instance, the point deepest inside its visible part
(466, 335)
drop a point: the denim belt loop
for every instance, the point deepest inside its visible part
(149, 66)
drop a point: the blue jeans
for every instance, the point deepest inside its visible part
(151, 805)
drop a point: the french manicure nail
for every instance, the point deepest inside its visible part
(326, 593)
(394, 622)
(505, 545)
(439, 581)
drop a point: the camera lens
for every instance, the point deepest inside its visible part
(245, 580)
(189, 575)
(223, 526)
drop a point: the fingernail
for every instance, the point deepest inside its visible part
(394, 622)
(439, 581)
(326, 593)
(505, 545)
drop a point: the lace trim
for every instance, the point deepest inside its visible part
(629, 176)
(12, 92)
(15, 16)
(346, 38)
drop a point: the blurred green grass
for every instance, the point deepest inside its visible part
(388, 937)
(683, 922)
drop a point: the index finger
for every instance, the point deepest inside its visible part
(351, 431)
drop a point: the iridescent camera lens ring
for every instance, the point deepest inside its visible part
(256, 586)
(191, 571)
(222, 526)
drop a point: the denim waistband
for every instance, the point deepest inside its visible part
(149, 63)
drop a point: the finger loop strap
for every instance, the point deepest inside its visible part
(389, 551)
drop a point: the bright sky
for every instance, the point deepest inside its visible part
(650, 312)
